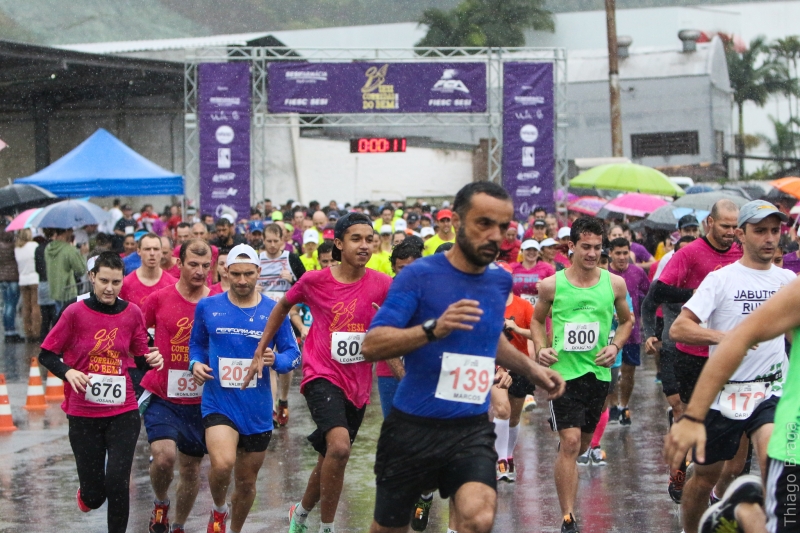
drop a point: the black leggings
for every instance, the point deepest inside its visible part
(91, 439)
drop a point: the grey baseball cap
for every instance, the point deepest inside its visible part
(756, 211)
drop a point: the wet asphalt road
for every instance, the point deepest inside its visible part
(38, 480)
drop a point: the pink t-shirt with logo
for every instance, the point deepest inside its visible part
(173, 317)
(338, 307)
(688, 268)
(525, 279)
(97, 343)
(135, 292)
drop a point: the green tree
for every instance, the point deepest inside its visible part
(755, 76)
(787, 51)
(785, 143)
(485, 23)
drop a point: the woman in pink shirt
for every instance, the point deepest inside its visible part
(530, 272)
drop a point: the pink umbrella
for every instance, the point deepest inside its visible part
(587, 205)
(635, 204)
(21, 220)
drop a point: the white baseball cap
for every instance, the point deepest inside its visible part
(426, 232)
(400, 225)
(242, 249)
(548, 242)
(386, 229)
(311, 235)
(530, 243)
(563, 232)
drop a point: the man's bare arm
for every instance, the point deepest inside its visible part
(687, 329)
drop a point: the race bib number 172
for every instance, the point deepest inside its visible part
(465, 378)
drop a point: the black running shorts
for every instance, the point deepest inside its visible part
(417, 455)
(581, 405)
(255, 443)
(687, 372)
(782, 503)
(520, 386)
(669, 382)
(330, 409)
(724, 434)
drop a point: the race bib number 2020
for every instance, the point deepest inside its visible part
(465, 378)
(232, 372)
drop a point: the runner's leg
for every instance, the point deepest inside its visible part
(732, 468)
(331, 477)
(120, 441)
(188, 486)
(312, 494)
(474, 505)
(244, 491)
(513, 423)
(165, 453)
(89, 448)
(221, 441)
(626, 381)
(695, 494)
(566, 468)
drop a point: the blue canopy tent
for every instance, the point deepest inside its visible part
(102, 165)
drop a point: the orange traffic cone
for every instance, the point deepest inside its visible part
(35, 401)
(54, 389)
(6, 423)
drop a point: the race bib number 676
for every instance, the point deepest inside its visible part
(465, 378)
(106, 390)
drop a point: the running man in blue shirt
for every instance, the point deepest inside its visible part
(444, 313)
(238, 422)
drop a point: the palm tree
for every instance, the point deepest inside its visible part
(754, 77)
(481, 23)
(786, 140)
(788, 51)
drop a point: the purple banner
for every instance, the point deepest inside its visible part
(224, 109)
(319, 88)
(528, 136)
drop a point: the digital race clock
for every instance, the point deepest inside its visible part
(377, 145)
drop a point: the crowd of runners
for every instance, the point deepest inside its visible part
(462, 312)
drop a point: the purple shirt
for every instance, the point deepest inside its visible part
(792, 262)
(640, 253)
(638, 284)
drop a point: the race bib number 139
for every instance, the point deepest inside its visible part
(465, 378)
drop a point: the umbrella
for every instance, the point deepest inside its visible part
(69, 214)
(588, 205)
(627, 177)
(700, 187)
(18, 197)
(22, 220)
(706, 200)
(633, 204)
(790, 186)
(666, 217)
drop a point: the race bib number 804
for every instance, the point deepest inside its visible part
(465, 378)
(106, 390)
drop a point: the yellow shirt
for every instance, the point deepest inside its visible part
(660, 251)
(433, 243)
(311, 263)
(381, 262)
(378, 224)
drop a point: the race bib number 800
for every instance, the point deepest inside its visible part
(465, 378)
(581, 337)
(346, 347)
(232, 372)
(106, 390)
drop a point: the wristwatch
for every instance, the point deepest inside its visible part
(428, 326)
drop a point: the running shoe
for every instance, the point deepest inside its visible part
(625, 417)
(597, 456)
(529, 404)
(512, 472)
(502, 470)
(159, 521)
(720, 517)
(569, 525)
(216, 524)
(658, 378)
(712, 498)
(294, 526)
(82, 506)
(422, 510)
(613, 414)
(676, 480)
(585, 458)
(283, 412)
(177, 530)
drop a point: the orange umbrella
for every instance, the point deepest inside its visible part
(790, 185)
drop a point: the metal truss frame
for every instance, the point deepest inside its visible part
(259, 57)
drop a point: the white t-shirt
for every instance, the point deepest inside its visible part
(26, 264)
(270, 280)
(725, 298)
(662, 264)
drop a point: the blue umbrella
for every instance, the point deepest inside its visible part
(69, 214)
(695, 189)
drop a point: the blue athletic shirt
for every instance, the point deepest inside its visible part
(423, 290)
(221, 329)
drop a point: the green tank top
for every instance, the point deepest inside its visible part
(784, 445)
(581, 325)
